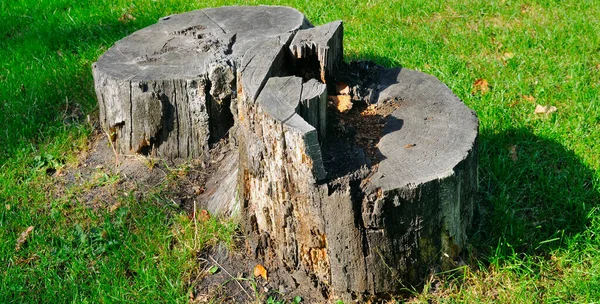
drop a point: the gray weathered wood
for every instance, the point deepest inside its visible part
(415, 207)
(176, 86)
(324, 42)
(168, 87)
(313, 106)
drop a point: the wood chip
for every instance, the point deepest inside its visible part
(343, 103)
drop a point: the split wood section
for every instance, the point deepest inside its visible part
(260, 76)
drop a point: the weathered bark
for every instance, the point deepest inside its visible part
(260, 74)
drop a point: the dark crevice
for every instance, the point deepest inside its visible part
(220, 116)
(167, 120)
(130, 116)
(177, 117)
(308, 66)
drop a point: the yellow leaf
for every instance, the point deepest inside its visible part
(539, 109)
(260, 271)
(23, 237)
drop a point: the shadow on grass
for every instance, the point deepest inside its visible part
(535, 194)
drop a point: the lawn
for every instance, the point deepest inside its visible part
(535, 234)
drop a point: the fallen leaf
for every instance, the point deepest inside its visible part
(342, 88)
(342, 102)
(539, 109)
(481, 85)
(7, 206)
(408, 146)
(114, 207)
(23, 238)
(528, 98)
(512, 150)
(198, 190)
(260, 271)
(126, 18)
(204, 215)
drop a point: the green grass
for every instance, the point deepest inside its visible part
(535, 239)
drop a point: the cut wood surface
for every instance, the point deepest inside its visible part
(355, 205)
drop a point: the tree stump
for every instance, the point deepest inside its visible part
(356, 204)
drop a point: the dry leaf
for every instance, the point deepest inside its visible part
(204, 215)
(198, 190)
(126, 18)
(508, 56)
(481, 85)
(408, 146)
(512, 150)
(528, 98)
(114, 207)
(539, 109)
(23, 238)
(342, 88)
(260, 271)
(342, 102)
